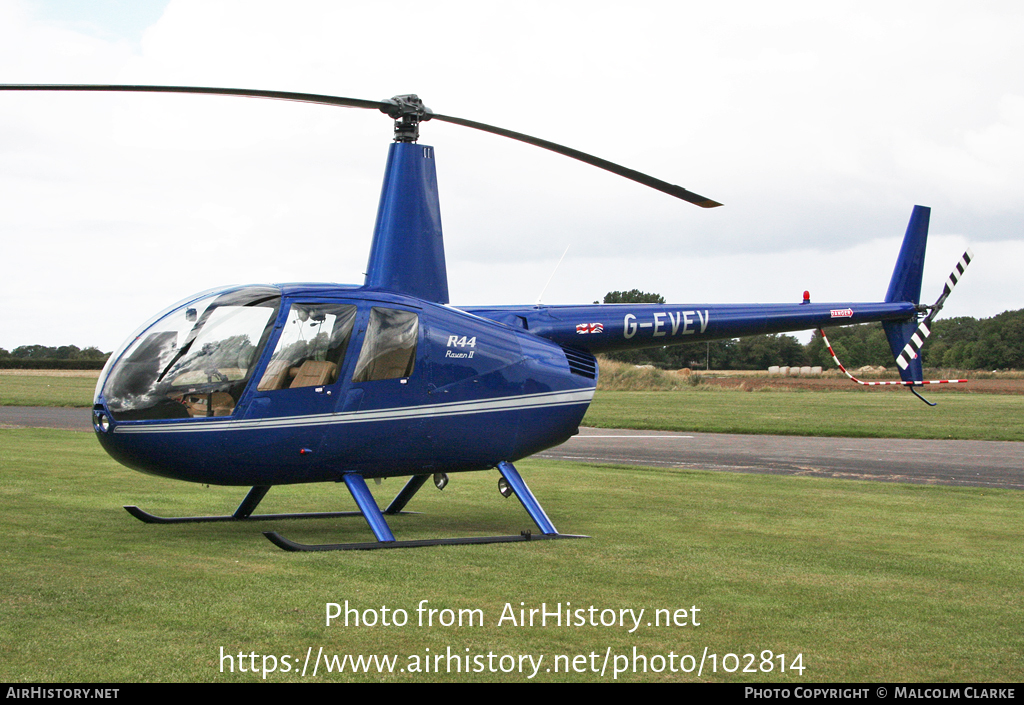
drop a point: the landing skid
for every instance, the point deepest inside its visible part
(243, 513)
(145, 516)
(385, 539)
(289, 545)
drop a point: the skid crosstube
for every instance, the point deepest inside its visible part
(385, 539)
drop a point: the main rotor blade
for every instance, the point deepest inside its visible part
(244, 92)
(633, 175)
(395, 109)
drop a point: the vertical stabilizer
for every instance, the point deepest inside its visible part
(905, 285)
(407, 253)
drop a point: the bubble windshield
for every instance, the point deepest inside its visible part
(196, 360)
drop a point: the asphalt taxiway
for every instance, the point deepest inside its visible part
(940, 462)
(974, 463)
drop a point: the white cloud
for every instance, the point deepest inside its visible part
(819, 126)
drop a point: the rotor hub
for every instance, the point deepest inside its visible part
(407, 111)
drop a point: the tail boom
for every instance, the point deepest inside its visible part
(599, 328)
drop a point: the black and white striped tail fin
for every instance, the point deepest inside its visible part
(916, 342)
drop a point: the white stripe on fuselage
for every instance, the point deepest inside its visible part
(525, 401)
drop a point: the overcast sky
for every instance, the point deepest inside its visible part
(818, 125)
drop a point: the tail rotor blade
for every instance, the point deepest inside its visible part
(916, 342)
(954, 278)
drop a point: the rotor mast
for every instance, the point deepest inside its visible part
(407, 251)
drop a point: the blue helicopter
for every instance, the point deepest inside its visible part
(280, 384)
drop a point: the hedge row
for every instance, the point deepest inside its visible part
(16, 363)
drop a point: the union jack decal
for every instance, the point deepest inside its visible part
(583, 328)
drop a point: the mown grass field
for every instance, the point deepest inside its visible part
(867, 581)
(46, 390)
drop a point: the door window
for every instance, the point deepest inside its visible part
(389, 348)
(311, 348)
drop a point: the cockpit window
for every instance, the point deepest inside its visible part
(196, 360)
(311, 348)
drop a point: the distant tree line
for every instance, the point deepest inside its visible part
(64, 352)
(46, 357)
(995, 343)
